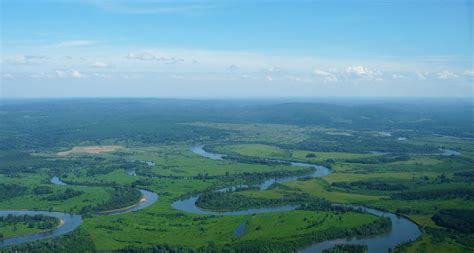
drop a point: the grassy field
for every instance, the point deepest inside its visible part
(319, 188)
(180, 161)
(274, 152)
(18, 229)
(30, 201)
(160, 223)
(158, 149)
(409, 172)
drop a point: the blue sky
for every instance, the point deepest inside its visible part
(246, 48)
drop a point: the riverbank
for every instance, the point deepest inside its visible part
(403, 230)
(142, 200)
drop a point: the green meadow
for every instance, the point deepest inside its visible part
(410, 177)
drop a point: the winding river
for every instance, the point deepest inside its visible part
(403, 230)
(69, 222)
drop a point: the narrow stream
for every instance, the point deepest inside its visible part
(403, 230)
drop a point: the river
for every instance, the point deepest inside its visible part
(69, 221)
(403, 230)
(68, 224)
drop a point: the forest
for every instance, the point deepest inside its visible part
(325, 170)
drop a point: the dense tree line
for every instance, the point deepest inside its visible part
(361, 143)
(439, 235)
(255, 160)
(8, 191)
(231, 201)
(347, 248)
(101, 119)
(15, 162)
(30, 124)
(243, 178)
(258, 160)
(40, 190)
(467, 176)
(465, 193)
(67, 194)
(32, 221)
(461, 220)
(370, 185)
(121, 196)
(390, 158)
(76, 242)
(142, 182)
(316, 204)
(105, 166)
(165, 248)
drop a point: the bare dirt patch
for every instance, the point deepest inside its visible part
(90, 150)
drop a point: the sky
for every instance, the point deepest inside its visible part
(233, 49)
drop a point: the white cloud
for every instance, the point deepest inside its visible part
(144, 56)
(273, 69)
(363, 72)
(469, 72)
(76, 74)
(178, 77)
(358, 70)
(398, 76)
(76, 43)
(148, 56)
(349, 73)
(25, 59)
(446, 75)
(100, 75)
(68, 73)
(100, 65)
(326, 76)
(60, 73)
(421, 75)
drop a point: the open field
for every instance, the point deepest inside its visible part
(89, 150)
(409, 177)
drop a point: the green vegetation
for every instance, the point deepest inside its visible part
(76, 242)
(457, 219)
(347, 248)
(67, 194)
(11, 226)
(8, 191)
(369, 167)
(121, 197)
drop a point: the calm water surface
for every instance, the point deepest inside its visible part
(71, 221)
(403, 230)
